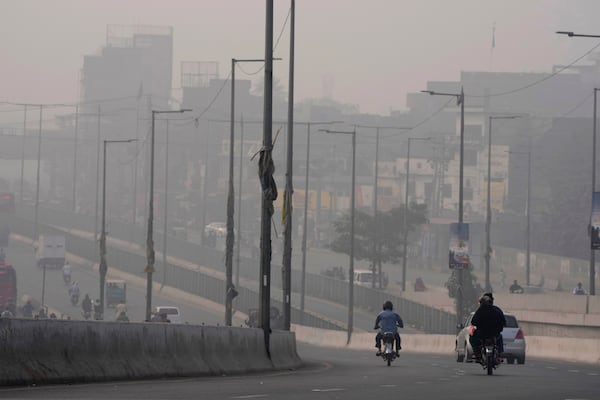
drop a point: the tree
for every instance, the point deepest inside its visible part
(471, 291)
(389, 235)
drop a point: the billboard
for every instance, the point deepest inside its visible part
(458, 255)
(595, 221)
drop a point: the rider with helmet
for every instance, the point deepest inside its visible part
(488, 323)
(388, 321)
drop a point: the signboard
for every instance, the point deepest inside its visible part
(595, 221)
(458, 255)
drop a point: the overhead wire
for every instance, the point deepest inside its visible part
(545, 78)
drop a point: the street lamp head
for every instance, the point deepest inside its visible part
(568, 33)
(185, 109)
(431, 92)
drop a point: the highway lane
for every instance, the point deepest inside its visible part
(350, 375)
(30, 281)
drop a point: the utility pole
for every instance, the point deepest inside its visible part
(97, 176)
(165, 208)
(23, 150)
(239, 215)
(269, 190)
(289, 189)
(74, 194)
(37, 185)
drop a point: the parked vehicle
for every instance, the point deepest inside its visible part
(512, 337)
(173, 314)
(50, 252)
(116, 292)
(364, 277)
(7, 211)
(388, 354)
(8, 287)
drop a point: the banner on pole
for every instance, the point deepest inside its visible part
(458, 255)
(595, 222)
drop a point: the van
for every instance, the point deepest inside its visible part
(364, 277)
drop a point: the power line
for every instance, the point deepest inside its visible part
(552, 75)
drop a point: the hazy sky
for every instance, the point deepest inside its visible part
(375, 50)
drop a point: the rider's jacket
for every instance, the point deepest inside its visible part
(388, 320)
(488, 320)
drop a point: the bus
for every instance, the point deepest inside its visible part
(7, 211)
(8, 287)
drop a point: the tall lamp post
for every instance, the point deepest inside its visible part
(230, 292)
(528, 213)
(103, 265)
(375, 193)
(592, 251)
(488, 215)
(149, 240)
(352, 201)
(305, 221)
(405, 222)
(460, 100)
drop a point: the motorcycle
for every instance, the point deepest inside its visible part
(86, 314)
(388, 354)
(489, 355)
(67, 279)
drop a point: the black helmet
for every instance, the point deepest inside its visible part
(388, 305)
(489, 294)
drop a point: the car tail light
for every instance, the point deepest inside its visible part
(520, 335)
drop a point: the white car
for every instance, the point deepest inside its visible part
(173, 314)
(218, 228)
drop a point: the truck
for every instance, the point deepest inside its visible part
(50, 252)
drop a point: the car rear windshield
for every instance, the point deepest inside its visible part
(169, 311)
(511, 322)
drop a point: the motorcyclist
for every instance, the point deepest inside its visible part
(487, 322)
(97, 310)
(388, 321)
(74, 291)
(66, 271)
(499, 339)
(86, 304)
(6, 313)
(27, 310)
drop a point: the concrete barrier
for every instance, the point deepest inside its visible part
(59, 351)
(566, 349)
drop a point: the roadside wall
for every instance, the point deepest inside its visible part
(60, 351)
(566, 349)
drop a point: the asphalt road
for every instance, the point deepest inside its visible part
(30, 282)
(345, 374)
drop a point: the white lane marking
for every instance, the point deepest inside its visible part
(592, 374)
(551, 368)
(574, 370)
(328, 390)
(388, 385)
(251, 396)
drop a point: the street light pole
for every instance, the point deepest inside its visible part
(592, 251)
(165, 207)
(74, 194)
(352, 203)
(37, 185)
(289, 189)
(23, 150)
(230, 289)
(528, 214)
(150, 256)
(375, 199)
(103, 267)
(488, 217)
(460, 99)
